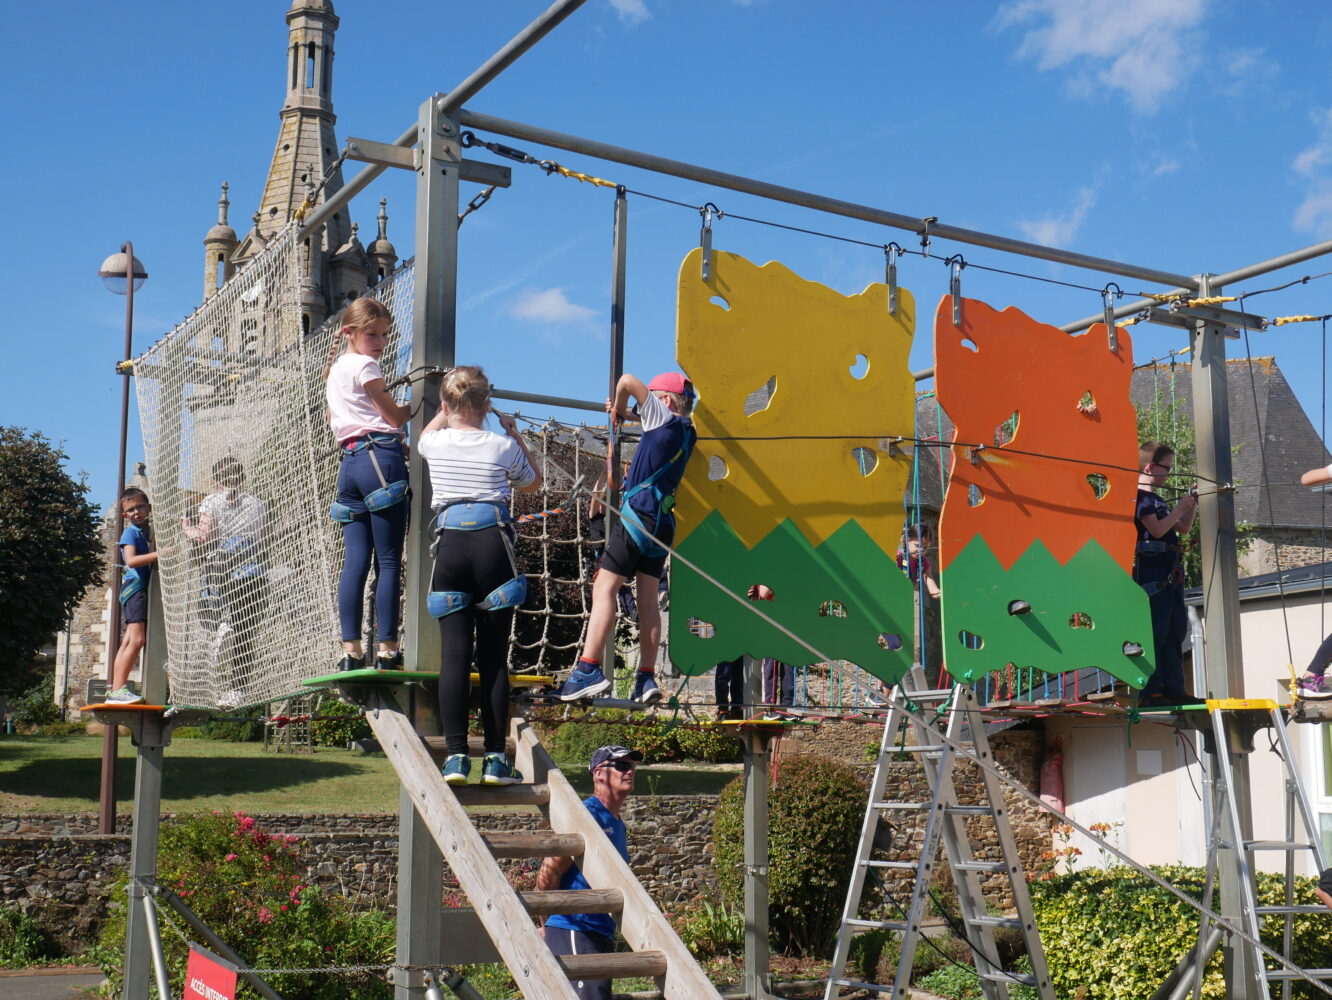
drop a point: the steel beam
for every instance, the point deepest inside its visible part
(922, 226)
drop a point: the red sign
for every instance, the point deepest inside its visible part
(208, 977)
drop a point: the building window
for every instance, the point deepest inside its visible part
(310, 66)
(221, 277)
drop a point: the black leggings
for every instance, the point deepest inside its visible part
(475, 563)
(1321, 658)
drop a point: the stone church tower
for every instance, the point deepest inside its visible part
(338, 268)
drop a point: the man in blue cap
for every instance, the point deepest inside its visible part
(612, 770)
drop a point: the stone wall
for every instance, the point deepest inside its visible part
(1295, 546)
(58, 869)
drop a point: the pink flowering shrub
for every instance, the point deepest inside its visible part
(249, 887)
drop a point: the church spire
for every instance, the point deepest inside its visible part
(219, 243)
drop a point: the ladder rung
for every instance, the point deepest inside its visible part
(1311, 973)
(1276, 845)
(1022, 978)
(1264, 911)
(934, 694)
(884, 925)
(503, 795)
(923, 748)
(979, 866)
(552, 901)
(969, 810)
(614, 965)
(987, 921)
(892, 864)
(856, 984)
(538, 844)
(912, 806)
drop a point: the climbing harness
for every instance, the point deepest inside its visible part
(665, 502)
(388, 493)
(467, 514)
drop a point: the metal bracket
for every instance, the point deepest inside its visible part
(410, 978)
(705, 239)
(955, 265)
(891, 253)
(409, 158)
(1108, 301)
(974, 454)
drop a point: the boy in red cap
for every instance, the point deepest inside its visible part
(637, 541)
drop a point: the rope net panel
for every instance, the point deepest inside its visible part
(242, 468)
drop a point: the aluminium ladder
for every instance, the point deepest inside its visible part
(1233, 723)
(946, 820)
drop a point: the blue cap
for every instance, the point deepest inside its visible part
(608, 755)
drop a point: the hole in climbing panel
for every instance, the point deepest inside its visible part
(702, 629)
(970, 640)
(832, 609)
(860, 367)
(717, 468)
(1006, 431)
(1100, 486)
(1087, 404)
(760, 592)
(1080, 619)
(758, 400)
(890, 641)
(720, 303)
(865, 459)
(970, 345)
(974, 495)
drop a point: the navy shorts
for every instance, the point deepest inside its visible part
(135, 610)
(623, 556)
(566, 941)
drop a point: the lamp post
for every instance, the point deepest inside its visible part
(123, 274)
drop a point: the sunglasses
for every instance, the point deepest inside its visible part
(621, 765)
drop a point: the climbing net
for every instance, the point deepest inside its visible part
(241, 470)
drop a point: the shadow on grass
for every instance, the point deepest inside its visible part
(182, 778)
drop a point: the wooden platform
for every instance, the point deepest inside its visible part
(112, 706)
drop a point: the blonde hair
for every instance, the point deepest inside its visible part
(465, 389)
(681, 404)
(362, 313)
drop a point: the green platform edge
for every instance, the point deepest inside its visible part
(977, 590)
(369, 675)
(849, 567)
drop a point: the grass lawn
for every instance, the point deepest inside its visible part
(62, 774)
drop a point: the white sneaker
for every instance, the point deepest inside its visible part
(124, 696)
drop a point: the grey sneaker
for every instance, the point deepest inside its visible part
(124, 696)
(1312, 686)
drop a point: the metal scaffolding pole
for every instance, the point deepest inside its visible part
(1225, 662)
(930, 226)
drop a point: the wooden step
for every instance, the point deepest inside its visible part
(539, 844)
(545, 904)
(616, 965)
(503, 795)
(476, 747)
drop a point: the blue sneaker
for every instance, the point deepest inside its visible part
(496, 770)
(457, 768)
(645, 688)
(584, 683)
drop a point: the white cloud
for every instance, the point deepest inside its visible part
(1060, 230)
(1314, 213)
(631, 11)
(551, 306)
(1168, 166)
(1144, 48)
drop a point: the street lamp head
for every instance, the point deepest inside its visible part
(112, 273)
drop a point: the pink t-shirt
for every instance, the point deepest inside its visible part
(351, 411)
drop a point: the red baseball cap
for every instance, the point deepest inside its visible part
(671, 382)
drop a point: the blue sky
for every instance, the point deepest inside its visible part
(1188, 135)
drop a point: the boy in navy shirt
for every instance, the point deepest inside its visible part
(636, 545)
(136, 548)
(1157, 568)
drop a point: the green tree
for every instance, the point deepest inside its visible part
(50, 549)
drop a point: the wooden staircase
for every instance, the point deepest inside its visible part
(498, 926)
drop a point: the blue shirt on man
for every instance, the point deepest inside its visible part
(596, 923)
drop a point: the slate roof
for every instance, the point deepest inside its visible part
(1258, 396)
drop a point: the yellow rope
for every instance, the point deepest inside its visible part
(1214, 300)
(1283, 320)
(576, 175)
(1165, 296)
(1211, 300)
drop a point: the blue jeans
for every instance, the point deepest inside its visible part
(371, 534)
(778, 683)
(1170, 625)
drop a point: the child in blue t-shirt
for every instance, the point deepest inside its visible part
(636, 543)
(136, 549)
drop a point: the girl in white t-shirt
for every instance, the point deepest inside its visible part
(476, 583)
(372, 482)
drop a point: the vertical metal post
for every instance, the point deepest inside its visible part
(106, 813)
(139, 943)
(155, 943)
(619, 267)
(434, 330)
(757, 981)
(1225, 663)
